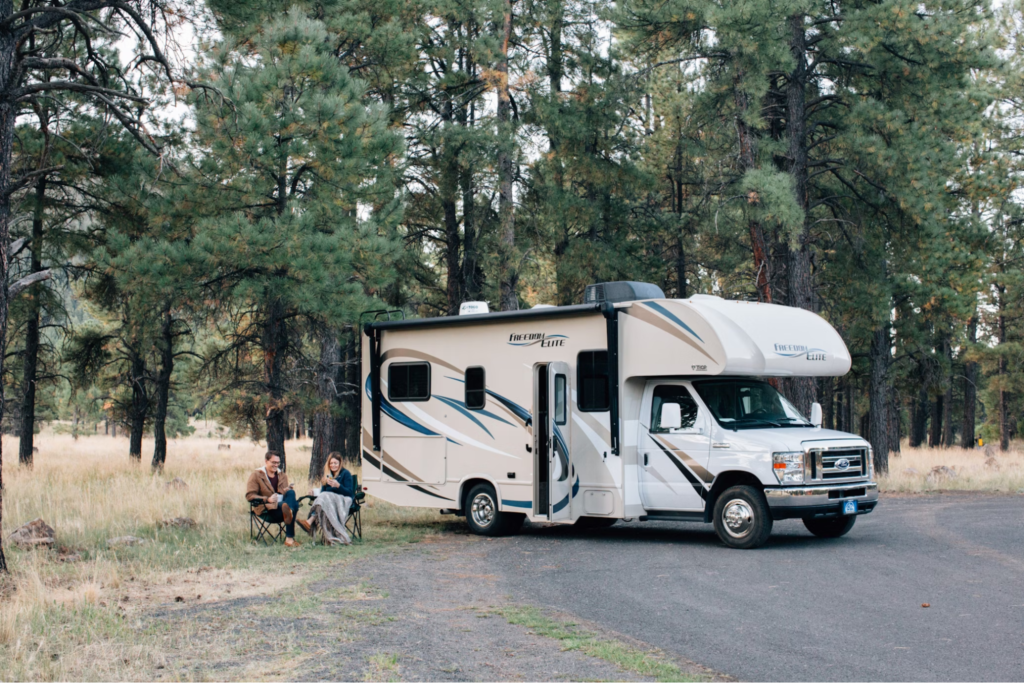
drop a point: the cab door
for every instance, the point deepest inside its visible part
(560, 469)
(673, 462)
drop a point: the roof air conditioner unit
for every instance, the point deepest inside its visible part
(615, 292)
(473, 308)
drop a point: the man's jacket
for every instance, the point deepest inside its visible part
(258, 486)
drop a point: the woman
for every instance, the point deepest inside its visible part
(333, 500)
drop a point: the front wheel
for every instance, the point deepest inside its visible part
(829, 527)
(483, 516)
(742, 517)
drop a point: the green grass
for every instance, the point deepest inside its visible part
(652, 664)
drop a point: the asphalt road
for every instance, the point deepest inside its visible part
(801, 608)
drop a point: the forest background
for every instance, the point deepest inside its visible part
(199, 200)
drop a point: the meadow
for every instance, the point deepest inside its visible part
(78, 610)
(73, 611)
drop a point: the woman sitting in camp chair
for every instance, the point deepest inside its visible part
(332, 504)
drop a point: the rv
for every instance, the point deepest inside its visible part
(628, 406)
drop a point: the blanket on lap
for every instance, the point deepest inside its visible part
(329, 513)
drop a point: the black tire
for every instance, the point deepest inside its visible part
(483, 516)
(830, 527)
(594, 522)
(742, 517)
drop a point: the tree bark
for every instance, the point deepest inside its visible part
(139, 406)
(448, 190)
(1004, 398)
(275, 343)
(31, 359)
(798, 269)
(935, 431)
(919, 421)
(8, 51)
(326, 390)
(508, 282)
(828, 402)
(163, 391)
(880, 359)
(967, 437)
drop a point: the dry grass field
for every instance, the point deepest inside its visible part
(72, 612)
(986, 469)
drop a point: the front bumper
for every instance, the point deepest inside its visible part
(820, 501)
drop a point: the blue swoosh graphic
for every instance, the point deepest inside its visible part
(671, 316)
(461, 407)
(481, 411)
(517, 503)
(565, 501)
(401, 418)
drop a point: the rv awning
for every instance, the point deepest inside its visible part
(706, 335)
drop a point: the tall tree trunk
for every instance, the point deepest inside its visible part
(798, 268)
(139, 407)
(919, 421)
(8, 49)
(275, 343)
(935, 432)
(352, 402)
(28, 390)
(163, 390)
(471, 280)
(841, 406)
(880, 359)
(828, 394)
(448, 191)
(326, 390)
(508, 281)
(967, 438)
(1004, 398)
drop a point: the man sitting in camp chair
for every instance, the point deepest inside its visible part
(270, 486)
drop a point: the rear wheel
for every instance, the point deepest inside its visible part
(483, 516)
(829, 527)
(742, 517)
(594, 522)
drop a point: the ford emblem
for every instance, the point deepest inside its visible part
(842, 464)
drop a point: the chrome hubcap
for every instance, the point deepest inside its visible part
(482, 510)
(738, 517)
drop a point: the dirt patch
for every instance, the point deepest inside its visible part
(426, 612)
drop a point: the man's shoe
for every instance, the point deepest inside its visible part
(286, 512)
(304, 523)
(291, 543)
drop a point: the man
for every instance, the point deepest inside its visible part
(271, 485)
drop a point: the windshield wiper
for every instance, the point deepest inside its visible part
(801, 423)
(744, 420)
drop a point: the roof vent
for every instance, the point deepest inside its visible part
(614, 292)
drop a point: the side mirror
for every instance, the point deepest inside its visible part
(671, 416)
(816, 414)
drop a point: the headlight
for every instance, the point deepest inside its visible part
(871, 464)
(789, 467)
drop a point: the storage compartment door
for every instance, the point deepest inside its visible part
(415, 459)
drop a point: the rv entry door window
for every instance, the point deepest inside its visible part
(561, 390)
(409, 382)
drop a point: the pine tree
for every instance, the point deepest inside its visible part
(289, 168)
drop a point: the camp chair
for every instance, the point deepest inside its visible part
(262, 528)
(354, 521)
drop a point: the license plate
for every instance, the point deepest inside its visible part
(849, 507)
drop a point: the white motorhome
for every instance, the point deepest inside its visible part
(629, 406)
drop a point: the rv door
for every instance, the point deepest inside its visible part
(560, 470)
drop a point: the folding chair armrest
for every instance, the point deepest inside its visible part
(257, 501)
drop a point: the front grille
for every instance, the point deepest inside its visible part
(825, 463)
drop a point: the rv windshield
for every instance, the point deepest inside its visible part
(748, 404)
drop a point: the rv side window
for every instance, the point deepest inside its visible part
(409, 381)
(592, 381)
(476, 390)
(560, 402)
(673, 393)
